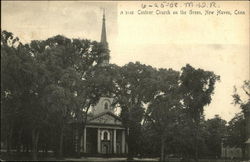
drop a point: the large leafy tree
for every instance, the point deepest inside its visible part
(134, 88)
(69, 69)
(47, 83)
(9, 86)
(243, 120)
(163, 110)
(236, 131)
(215, 130)
(197, 88)
(244, 102)
(21, 110)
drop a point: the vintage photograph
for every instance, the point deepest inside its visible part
(119, 81)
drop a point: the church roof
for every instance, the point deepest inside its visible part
(91, 117)
(103, 113)
(105, 119)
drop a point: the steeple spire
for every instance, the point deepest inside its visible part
(103, 35)
(104, 42)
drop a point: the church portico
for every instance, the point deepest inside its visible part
(103, 140)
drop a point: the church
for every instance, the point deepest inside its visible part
(104, 133)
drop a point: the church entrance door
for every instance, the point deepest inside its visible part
(105, 148)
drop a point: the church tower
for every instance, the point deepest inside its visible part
(103, 132)
(105, 54)
(105, 102)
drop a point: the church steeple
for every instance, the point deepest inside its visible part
(103, 35)
(105, 55)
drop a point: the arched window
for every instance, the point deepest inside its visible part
(105, 135)
(106, 106)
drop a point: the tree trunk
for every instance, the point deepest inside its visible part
(130, 149)
(8, 145)
(162, 158)
(46, 149)
(196, 140)
(19, 140)
(27, 148)
(243, 148)
(196, 147)
(9, 141)
(35, 137)
(79, 134)
(61, 143)
(84, 122)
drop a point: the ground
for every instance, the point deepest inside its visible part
(109, 159)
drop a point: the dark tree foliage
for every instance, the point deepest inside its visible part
(215, 130)
(45, 85)
(197, 88)
(48, 84)
(239, 127)
(236, 131)
(163, 110)
(134, 89)
(19, 96)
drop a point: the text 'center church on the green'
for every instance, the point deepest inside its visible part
(104, 132)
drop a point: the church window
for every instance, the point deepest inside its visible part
(105, 135)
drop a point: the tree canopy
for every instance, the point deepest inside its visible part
(46, 84)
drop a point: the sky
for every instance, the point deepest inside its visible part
(215, 43)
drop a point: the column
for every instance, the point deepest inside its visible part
(123, 141)
(98, 141)
(76, 140)
(126, 144)
(81, 144)
(114, 141)
(84, 140)
(126, 149)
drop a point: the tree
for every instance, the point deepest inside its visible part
(197, 87)
(215, 130)
(9, 85)
(134, 88)
(164, 107)
(149, 141)
(70, 88)
(20, 90)
(236, 131)
(245, 117)
(244, 104)
(46, 84)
